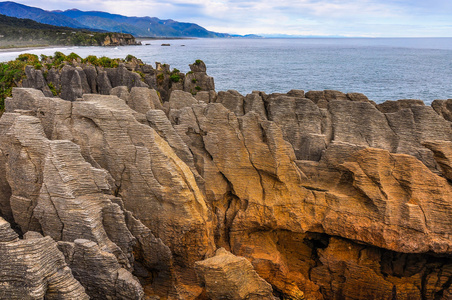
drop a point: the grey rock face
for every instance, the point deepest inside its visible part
(232, 100)
(321, 98)
(99, 271)
(138, 199)
(254, 102)
(206, 96)
(160, 123)
(442, 151)
(153, 256)
(34, 269)
(150, 178)
(121, 92)
(71, 84)
(301, 122)
(86, 87)
(198, 66)
(142, 99)
(443, 108)
(120, 76)
(357, 97)
(394, 106)
(91, 76)
(53, 76)
(103, 83)
(197, 79)
(66, 200)
(180, 99)
(360, 123)
(36, 80)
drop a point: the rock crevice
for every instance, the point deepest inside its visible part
(121, 193)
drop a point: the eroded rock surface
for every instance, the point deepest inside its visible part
(33, 268)
(312, 195)
(227, 276)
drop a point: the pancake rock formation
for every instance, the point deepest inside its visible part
(130, 186)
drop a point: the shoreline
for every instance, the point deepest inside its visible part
(23, 48)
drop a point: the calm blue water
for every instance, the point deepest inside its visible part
(382, 69)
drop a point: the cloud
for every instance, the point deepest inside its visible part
(298, 17)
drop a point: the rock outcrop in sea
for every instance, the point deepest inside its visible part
(145, 183)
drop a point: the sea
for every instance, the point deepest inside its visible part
(381, 68)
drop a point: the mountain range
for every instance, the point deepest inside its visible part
(97, 20)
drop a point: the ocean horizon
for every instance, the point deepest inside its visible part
(381, 68)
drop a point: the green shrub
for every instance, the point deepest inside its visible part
(194, 80)
(198, 62)
(175, 77)
(92, 59)
(11, 73)
(141, 74)
(73, 56)
(160, 78)
(52, 88)
(198, 88)
(58, 58)
(26, 57)
(130, 57)
(107, 62)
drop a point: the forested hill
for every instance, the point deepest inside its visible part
(15, 32)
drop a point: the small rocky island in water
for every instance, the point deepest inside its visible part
(119, 180)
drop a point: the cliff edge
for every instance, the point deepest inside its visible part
(137, 182)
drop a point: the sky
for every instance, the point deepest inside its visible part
(348, 18)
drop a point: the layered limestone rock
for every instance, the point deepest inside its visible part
(33, 268)
(154, 183)
(443, 108)
(197, 80)
(91, 266)
(316, 195)
(35, 79)
(227, 276)
(66, 200)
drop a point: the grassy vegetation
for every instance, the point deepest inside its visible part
(160, 78)
(175, 75)
(12, 73)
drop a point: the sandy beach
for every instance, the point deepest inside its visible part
(24, 48)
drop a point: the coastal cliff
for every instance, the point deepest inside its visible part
(133, 182)
(15, 32)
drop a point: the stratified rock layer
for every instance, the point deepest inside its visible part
(316, 195)
(33, 268)
(227, 276)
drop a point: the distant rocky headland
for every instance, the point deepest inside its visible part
(121, 180)
(15, 32)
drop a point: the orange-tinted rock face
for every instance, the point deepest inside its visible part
(323, 197)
